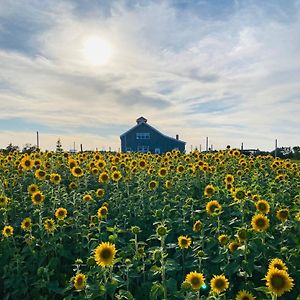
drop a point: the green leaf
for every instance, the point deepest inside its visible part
(263, 289)
(156, 291)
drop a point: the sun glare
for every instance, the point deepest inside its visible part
(97, 51)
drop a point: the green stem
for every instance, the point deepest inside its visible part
(274, 296)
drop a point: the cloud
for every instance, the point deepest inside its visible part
(198, 68)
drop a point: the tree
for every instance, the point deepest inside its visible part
(28, 148)
(59, 148)
(11, 148)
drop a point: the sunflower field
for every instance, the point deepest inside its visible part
(96, 225)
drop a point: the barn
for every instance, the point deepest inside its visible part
(145, 138)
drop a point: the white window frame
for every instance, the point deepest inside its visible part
(142, 148)
(142, 135)
(157, 151)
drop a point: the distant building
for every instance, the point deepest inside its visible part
(145, 138)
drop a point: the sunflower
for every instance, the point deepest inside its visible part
(213, 207)
(8, 231)
(179, 169)
(87, 198)
(223, 239)
(209, 190)
(32, 188)
(61, 213)
(142, 163)
(3, 201)
(282, 214)
(40, 174)
(100, 193)
(27, 163)
(239, 194)
(233, 246)
(195, 279)
(26, 224)
(49, 225)
(101, 164)
(55, 178)
(37, 198)
(153, 185)
(162, 172)
(278, 264)
(219, 284)
(80, 281)
(197, 226)
(255, 197)
(76, 171)
(229, 179)
(244, 295)
(168, 184)
(105, 254)
(102, 212)
(242, 234)
(116, 176)
(184, 242)
(260, 222)
(263, 206)
(103, 177)
(278, 281)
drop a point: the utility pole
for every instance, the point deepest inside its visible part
(276, 146)
(200, 148)
(81, 148)
(207, 144)
(37, 140)
(242, 146)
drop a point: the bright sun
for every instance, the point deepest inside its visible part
(97, 51)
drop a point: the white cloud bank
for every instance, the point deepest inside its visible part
(234, 79)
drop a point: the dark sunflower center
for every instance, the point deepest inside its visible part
(220, 283)
(38, 197)
(61, 213)
(27, 224)
(262, 206)
(283, 214)
(7, 230)
(260, 223)
(184, 242)
(106, 253)
(27, 163)
(195, 280)
(49, 225)
(213, 207)
(209, 190)
(277, 281)
(278, 266)
(240, 194)
(79, 280)
(246, 298)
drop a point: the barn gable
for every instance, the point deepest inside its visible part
(145, 138)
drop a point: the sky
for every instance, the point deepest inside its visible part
(224, 69)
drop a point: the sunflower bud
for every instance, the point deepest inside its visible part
(135, 229)
(161, 230)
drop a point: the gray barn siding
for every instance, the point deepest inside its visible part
(157, 140)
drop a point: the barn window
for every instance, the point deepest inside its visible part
(142, 135)
(143, 148)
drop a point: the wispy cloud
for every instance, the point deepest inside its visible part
(224, 69)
